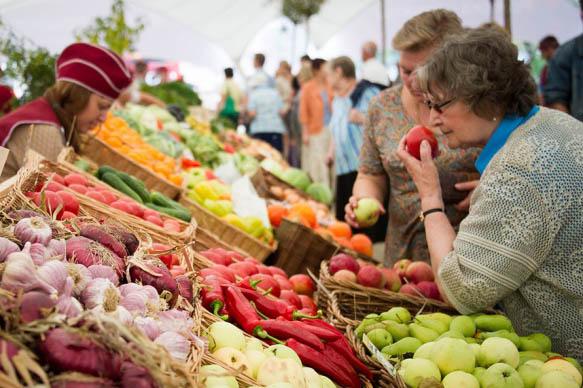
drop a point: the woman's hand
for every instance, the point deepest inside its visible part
(468, 186)
(424, 173)
(352, 204)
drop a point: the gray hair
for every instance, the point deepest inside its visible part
(480, 68)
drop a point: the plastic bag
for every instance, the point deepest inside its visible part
(246, 202)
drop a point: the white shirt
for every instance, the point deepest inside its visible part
(374, 71)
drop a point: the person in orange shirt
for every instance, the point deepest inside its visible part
(315, 113)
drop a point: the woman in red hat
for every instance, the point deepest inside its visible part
(89, 79)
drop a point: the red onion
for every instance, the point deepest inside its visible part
(135, 376)
(151, 271)
(7, 247)
(9, 348)
(35, 305)
(69, 351)
(88, 252)
(81, 382)
(185, 287)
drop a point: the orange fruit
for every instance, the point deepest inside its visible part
(298, 219)
(276, 213)
(340, 229)
(176, 179)
(306, 213)
(361, 244)
(343, 241)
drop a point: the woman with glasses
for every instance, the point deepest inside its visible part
(521, 246)
(391, 114)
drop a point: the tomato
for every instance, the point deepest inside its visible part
(414, 138)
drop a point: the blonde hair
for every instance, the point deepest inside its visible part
(68, 100)
(428, 29)
(305, 74)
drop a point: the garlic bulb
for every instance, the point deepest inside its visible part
(176, 344)
(80, 275)
(175, 320)
(151, 292)
(128, 288)
(148, 326)
(33, 230)
(135, 302)
(56, 250)
(120, 313)
(7, 247)
(20, 274)
(38, 253)
(54, 273)
(105, 272)
(66, 304)
(101, 292)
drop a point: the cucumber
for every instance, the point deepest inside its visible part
(162, 200)
(117, 183)
(103, 169)
(173, 212)
(136, 185)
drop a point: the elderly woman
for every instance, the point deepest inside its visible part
(521, 246)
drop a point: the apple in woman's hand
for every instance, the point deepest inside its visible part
(414, 138)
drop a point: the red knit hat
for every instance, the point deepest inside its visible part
(95, 68)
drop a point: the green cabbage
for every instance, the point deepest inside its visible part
(320, 193)
(297, 178)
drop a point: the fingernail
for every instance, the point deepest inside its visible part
(424, 144)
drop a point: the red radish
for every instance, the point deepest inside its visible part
(84, 251)
(70, 203)
(67, 216)
(79, 188)
(152, 272)
(284, 283)
(151, 212)
(416, 136)
(74, 178)
(54, 186)
(96, 195)
(120, 205)
(155, 220)
(100, 235)
(68, 351)
(108, 196)
(291, 297)
(35, 305)
(277, 271)
(57, 178)
(52, 202)
(171, 225)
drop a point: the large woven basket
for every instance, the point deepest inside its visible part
(263, 181)
(301, 249)
(101, 153)
(227, 232)
(346, 303)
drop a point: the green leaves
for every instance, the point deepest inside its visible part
(299, 11)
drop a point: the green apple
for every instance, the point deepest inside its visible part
(361, 328)
(367, 212)
(452, 334)
(530, 355)
(501, 334)
(397, 330)
(376, 326)
(459, 379)
(283, 352)
(255, 358)
(414, 370)
(476, 349)
(495, 350)
(234, 358)
(464, 325)
(430, 323)
(563, 366)
(397, 314)
(424, 351)
(252, 343)
(430, 382)
(215, 376)
(280, 385)
(556, 379)
(403, 346)
(326, 382)
(478, 372)
(575, 363)
(493, 323)
(451, 354)
(529, 372)
(380, 338)
(223, 334)
(311, 378)
(501, 375)
(280, 370)
(423, 334)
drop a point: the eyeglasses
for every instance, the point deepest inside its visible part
(438, 107)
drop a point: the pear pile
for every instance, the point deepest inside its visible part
(467, 351)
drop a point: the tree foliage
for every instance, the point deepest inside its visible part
(299, 11)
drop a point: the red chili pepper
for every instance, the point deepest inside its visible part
(291, 329)
(275, 308)
(229, 149)
(189, 163)
(333, 356)
(314, 359)
(248, 284)
(342, 346)
(213, 298)
(209, 175)
(322, 333)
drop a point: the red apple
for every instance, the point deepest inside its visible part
(393, 281)
(291, 297)
(267, 284)
(302, 284)
(414, 138)
(284, 283)
(410, 289)
(277, 271)
(401, 267)
(244, 268)
(370, 276)
(343, 261)
(345, 275)
(419, 271)
(429, 290)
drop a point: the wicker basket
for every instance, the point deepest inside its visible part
(227, 232)
(101, 153)
(301, 248)
(263, 180)
(346, 303)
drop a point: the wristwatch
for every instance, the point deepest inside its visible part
(424, 214)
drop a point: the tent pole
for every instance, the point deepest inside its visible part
(383, 33)
(507, 22)
(492, 11)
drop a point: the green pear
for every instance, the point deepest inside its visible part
(530, 355)
(493, 323)
(380, 338)
(423, 334)
(543, 340)
(478, 372)
(360, 329)
(501, 334)
(526, 343)
(552, 354)
(464, 325)
(373, 316)
(529, 372)
(432, 324)
(397, 314)
(397, 330)
(471, 340)
(376, 326)
(404, 346)
(441, 317)
(451, 334)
